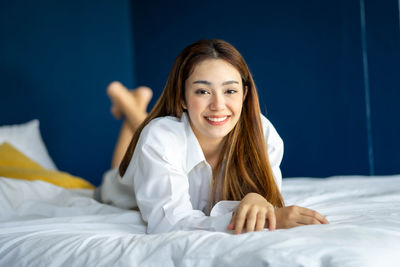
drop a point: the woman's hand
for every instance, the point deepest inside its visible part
(292, 216)
(253, 212)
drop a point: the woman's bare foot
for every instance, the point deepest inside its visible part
(129, 103)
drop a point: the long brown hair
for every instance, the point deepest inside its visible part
(244, 153)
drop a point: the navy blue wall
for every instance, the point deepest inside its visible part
(307, 61)
(56, 59)
(383, 44)
(327, 81)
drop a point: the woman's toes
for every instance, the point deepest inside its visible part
(144, 92)
(116, 112)
(143, 95)
(131, 104)
(118, 95)
(114, 88)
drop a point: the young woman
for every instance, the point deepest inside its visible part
(204, 157)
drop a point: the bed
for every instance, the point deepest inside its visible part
(43, 223)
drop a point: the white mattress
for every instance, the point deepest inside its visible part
(45, 225)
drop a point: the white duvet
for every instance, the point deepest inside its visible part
(45, 225)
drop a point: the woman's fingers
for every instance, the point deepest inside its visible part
(240, 220)
(315, 216)
(251, 220)
(231, 224)
(271, 219)
(260, 224)
(305, 216)
(293, 216)
(251, 214)
(306, 220)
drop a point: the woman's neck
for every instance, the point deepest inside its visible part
(212, 152)
(211, 148)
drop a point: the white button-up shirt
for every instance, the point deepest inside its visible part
(169, 179)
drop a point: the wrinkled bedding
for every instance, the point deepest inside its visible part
(45, 225)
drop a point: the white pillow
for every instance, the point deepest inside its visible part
(26, 138)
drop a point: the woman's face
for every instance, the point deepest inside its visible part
(213, 99)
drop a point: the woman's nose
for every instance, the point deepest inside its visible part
(217, 102)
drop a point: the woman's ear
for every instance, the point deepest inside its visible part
(184, 105)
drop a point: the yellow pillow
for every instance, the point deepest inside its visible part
(14, 164)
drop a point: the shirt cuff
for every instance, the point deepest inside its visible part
(223, 207)
(224, 211)
(220, 223)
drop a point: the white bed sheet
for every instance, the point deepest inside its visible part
(45, 225)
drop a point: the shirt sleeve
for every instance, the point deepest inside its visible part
(112, 191)
(274, 148)
(161, 188)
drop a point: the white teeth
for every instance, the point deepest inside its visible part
(217, 119)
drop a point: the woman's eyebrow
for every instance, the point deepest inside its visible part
(229, 82)
(209, 83)
(202, 82)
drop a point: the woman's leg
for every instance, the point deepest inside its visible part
(132, 105)
(124, 138)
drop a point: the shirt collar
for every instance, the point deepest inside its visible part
(195, 154)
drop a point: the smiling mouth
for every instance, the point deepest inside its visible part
(217, 120)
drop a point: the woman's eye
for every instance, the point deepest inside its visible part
(201, 92)
(231, 91)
